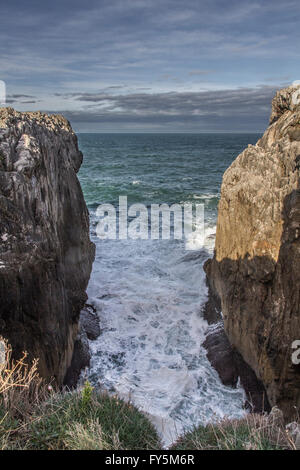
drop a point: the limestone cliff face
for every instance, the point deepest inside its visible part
(256, 266)
(45, 251)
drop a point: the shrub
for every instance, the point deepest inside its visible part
(86, 395)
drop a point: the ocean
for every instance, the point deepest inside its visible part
(149, 294)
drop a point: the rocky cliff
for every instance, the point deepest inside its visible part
(255, 270)
(45, 251)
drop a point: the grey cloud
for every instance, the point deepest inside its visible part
(115, 87)
(15, 96)
(221, 102)
(240, 109)
(21, 99)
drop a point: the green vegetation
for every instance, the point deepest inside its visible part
(86, 419)
(254, 432)
(67, 421)
(35, 416)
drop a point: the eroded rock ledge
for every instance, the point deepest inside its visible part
(255, 271)
(45, 252)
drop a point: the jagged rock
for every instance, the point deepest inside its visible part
(212, 308)
(283, 102)
(231, 368)
(90, 322)
(220, 354)
(256, 266)
(45, 254)
(80, 359)
(89, 329)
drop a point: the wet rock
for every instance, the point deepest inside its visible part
(90, 322)
(80, 360)
(231, 368)
(89, 329)
(220, 354)
(257, 400)
(212, 308)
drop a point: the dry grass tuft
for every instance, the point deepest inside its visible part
(20, 385)
(21, 389)
(90, 436)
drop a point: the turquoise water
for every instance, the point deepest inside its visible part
(149, 294)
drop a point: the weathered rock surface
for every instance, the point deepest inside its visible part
(80, 359)
(220, 354)
(232, 368)
(89, 329)
(90, 322)
(45, 253)
(256, 266)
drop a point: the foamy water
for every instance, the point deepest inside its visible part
(148, 294)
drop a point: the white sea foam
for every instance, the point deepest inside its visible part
(199, 241)
(206, 196)
(149, 295)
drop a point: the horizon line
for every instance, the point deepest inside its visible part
(173, 132)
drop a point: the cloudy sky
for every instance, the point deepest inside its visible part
(150, 65)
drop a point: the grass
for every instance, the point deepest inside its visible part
(66, 422)
(254, 432)
(35, 416)
(90, 420)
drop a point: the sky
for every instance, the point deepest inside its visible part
(150, 65)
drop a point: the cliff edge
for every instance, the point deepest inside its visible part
(255, 271)
(45, 251)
